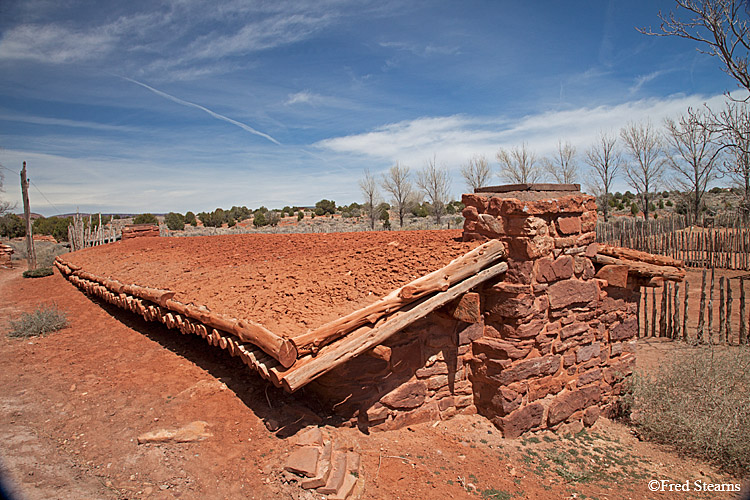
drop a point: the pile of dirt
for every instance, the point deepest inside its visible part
(288, 283)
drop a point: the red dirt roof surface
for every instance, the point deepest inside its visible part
(289, 283)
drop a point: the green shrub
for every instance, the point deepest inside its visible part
(12, 226)
(300, 215)
(190, 219)
(634, 209)
(39, 272)
(324, 207)
(699, 403)
(45, 319)
(174, 221)
(260, 219)
(145, 219)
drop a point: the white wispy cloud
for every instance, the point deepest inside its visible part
(644, 79)
(216, 115)
(422, 50)
(54, 44)
(62, 122)
(261, 35)
(454, 139)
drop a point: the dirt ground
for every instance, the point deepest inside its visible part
(288, 283)
(73, 404)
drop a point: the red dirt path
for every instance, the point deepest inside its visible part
(288, 283)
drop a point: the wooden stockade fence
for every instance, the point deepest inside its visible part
(84, 235)
(710, 245)
(663, 311)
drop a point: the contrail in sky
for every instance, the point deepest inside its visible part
(172, 98)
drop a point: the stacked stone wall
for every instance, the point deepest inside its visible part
(419, 375)
(557, 340)
(547, 345)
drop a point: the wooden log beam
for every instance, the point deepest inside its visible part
(280, 348)
(440, 280)
(643, 268)
(367, 337)
(637, 255)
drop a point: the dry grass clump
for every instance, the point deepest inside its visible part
(699, 403)
(45, 319)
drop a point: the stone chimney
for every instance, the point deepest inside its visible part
(557, 340)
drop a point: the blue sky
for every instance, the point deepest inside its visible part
(186, 105)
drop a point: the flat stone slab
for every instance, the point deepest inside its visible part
(303, 461)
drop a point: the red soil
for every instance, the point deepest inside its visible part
(286, 282)
(73, 403)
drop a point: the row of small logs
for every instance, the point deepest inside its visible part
(250, 355)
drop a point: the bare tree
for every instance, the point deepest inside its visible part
(692, 155)
(605, 160)
(644, 172)
(518, 165)
(562, 167)
(719, 26)
(369, 189)
(5, 206)
(476, 172)
(397, 183)
(733, 125)
(435, 182)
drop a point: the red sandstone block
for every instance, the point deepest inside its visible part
(409, 395)
(303, 461)
(614, 274)
(573, 329)
(529, 368)
(585, 353)
(569, 225)
(521, 420)
(589, 377)
(590, 416)
(567, 403)
(470, 213)
(496, 348)
(476, 201)
(625, 330)
(572, 291)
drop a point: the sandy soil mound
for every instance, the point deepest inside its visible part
(288, 283)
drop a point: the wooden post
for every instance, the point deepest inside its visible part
(728, 327)
(670, 289)
(662, 313)
(743, 326)
(701, 316)
(721, 308)
(645, 312)
(685, 312)
(653, 312)
(638, 315)
(31, 254)
(711, 307)
(676, 313)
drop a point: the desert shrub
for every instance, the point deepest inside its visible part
(260, 219)
(273, 218)
(45, 319)
(12, 226)
(175, 221)
(145, 219)
(39, 272)
(324, 207)
(190, 219)
(300, 215)
(700, 403)
(634, 209)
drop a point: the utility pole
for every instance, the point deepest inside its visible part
(27, 215)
